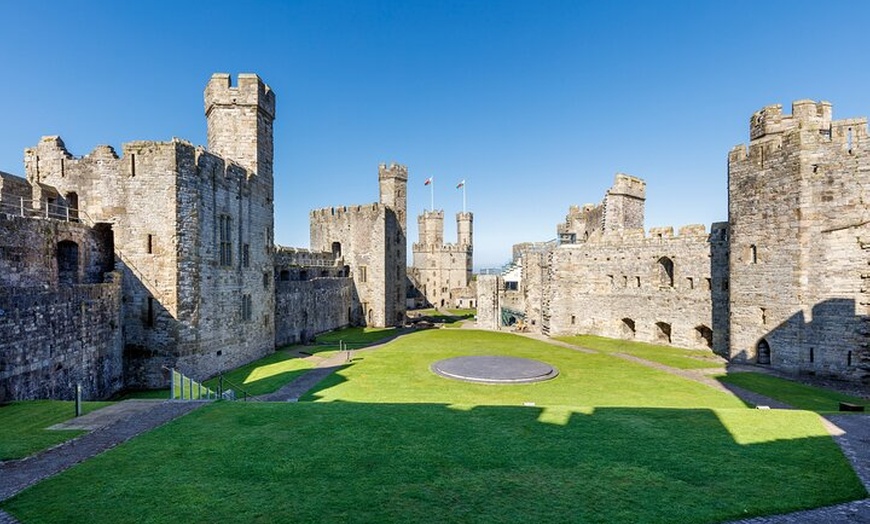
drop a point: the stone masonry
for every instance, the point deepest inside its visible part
(783, 283)
(442, 272)
(371, 241)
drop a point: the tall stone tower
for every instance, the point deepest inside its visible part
(442, 272)
(240, 121)
(624, 203)
(800, 242)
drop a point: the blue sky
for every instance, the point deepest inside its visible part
(536, 104)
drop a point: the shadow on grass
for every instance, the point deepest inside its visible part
(431, 462)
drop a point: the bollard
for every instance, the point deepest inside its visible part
(78, 400)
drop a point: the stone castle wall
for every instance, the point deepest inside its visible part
(60, 304)
(655, 288)
(799, 258)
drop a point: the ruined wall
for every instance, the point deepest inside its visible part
(13, 190)
(655, 288)
(621, 208)
(52, 340)
(798, 215)
(313, 294)
(30, 258)
(59, 323)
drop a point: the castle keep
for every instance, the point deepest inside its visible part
(782, 283)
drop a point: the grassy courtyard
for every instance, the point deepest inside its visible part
(23, 425)
(386, 440)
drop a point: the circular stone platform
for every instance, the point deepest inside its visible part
(495, 369)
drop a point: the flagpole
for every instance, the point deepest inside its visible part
(432, 194)
(463, 196)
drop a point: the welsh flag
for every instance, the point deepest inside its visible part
(428, 181)
(460, 184)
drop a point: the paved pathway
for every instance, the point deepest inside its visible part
(110, 429)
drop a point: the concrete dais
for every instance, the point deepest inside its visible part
(494, 369)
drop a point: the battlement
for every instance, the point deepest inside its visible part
(297, 256)
(628, 185)
(806, 114)
(394, 170)
(431, 215)
(443, 248)
(658, 234)
(327, 213)
(813, 119)
(250, 91)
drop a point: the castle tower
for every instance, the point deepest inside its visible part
(464, 226)
(624, 203)
(431, 228)
(393, 181)
(240, 121)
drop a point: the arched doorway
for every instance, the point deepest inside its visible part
(763, 352)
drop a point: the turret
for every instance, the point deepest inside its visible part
(431, 228)
(464, 229)
(240, 121)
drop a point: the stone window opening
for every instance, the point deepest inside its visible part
(663, 332)
(665, 272)
(709, 284)
(132, 165)
(704, 336)
(150, 244)
(625, 281)
(284, 275)
(266, 279)
(336, 249)
(246, 255)
(849, 140)
(72, 206)
(573, 320)
(303, 274)
(628, 328)
(762, 351)
(363, 274)
(753, 254)
(763, 316)
(225, 225)
(849, 359)
(812, 355)
(690, 282)
(149, 313)
(247, 308)
(67, 262)
(637, 281)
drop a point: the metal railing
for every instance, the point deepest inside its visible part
(46, 209)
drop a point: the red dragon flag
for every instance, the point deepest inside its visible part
(428, 181)
(461, 184)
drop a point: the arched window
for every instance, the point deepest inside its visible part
(665, 272)
(763, 352)
(663, 332)
(336, 249)
(67, 262)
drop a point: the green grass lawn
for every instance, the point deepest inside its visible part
(265, 375)
(356, 336)
(22, 425)
(386, 440)
(669, 356)
(792, 393)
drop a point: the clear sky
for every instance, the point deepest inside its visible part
(536, 104)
